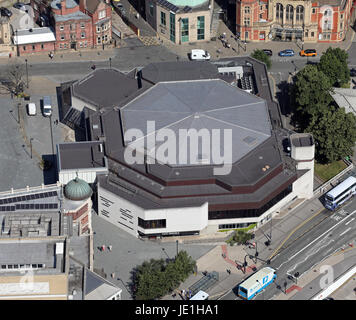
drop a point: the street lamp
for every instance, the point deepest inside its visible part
(177, 248)
(18, 112)
(31, 146)
(50, 124)
(26, 73)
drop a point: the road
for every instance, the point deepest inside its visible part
(332, 233)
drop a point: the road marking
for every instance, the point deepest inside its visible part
(292, 232)
(348, 229)
(349, 221)
(321, 236)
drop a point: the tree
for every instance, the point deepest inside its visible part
(241, 236)
(155, 278)
(262, 56)
(310, 93)
(335, 133)
(333, 63)
(13, 79)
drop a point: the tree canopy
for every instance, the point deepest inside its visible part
(311, 93)
(335, 133)
(262, 56)
(156, 278)
(315, 110)
(333, 63)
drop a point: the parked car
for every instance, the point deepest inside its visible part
(353, 72)
(31, 109)
(286, 53)
(5, 12)
(20, 6)
(47, 106)
(199, 55)
(308, 53)
(119, 6)
(268, 52)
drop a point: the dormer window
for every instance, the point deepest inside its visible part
(102, 14)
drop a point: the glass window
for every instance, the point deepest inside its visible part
(201, 28)
(151, 9)
(163, 18)
(24, 48)
(82, 35)
(151, 224)
(102, 14)
(172, 27)
(82, 25)
(247, 9)
(244, 213)
(185, 29)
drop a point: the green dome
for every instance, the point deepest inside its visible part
(77, 189)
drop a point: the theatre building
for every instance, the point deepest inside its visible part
(268, 167)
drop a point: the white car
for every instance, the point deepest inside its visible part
(199, 55)
(31, 109)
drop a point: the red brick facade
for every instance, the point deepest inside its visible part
(76, 24)
(309, 20)
(35, 48)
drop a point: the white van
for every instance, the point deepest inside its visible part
(31, 109)
(200, 55)
(47, 106)
(200, 295)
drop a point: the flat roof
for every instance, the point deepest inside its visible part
(105, 88)
(180, 70)
(302, 140)
(80, 155)
(34, 35)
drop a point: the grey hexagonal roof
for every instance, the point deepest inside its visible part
(200, 104)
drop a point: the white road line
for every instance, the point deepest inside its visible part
(321, 235)
(349, 221)
(348, 229)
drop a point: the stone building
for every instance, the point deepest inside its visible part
(5, 36)
(293, 20)
(180, 21)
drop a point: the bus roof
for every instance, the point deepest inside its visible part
(252, 280)
(200, 295)
(342, 186)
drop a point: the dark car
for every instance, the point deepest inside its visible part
(5, 12)
(268, 52)
(20, 6)
(353, 72)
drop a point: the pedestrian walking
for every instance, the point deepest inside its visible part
(113, 275)
(110, 248)
(103, 247)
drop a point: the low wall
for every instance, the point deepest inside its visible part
(324, 187)
(335, 285)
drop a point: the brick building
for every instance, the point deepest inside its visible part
(77, 24)
(34, 40)
(292, 20)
